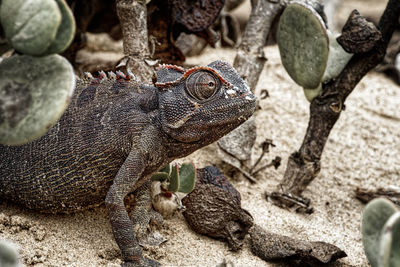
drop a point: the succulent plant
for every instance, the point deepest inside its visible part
(169, 185)
(37, 27)
(65, 32)
(178, 178)
(8, 254)
(381, 233)
(309, 52)
(34, 92)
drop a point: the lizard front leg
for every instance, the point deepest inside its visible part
(126, 179)
(143, 213)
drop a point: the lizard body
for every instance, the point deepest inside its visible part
(73, 165)
(115, 134)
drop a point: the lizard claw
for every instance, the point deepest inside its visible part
(153, 238)
(143, 232)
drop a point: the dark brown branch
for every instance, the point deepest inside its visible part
(293, 252)
(304, 165)
(391, 193)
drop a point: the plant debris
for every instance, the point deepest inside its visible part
(272, 247)
(366, 195)
(213, 209)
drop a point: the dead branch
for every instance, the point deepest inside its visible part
(249, 62)
(293, 252)
(391, 193)
(304, 165)
(133, 18)
(250, 58)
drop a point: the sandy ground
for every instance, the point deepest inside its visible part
(363, 150)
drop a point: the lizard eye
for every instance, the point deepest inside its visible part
(202, 85)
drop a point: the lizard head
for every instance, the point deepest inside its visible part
(202, 103)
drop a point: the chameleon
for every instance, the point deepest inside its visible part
(114, 134)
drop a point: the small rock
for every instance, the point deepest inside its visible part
(38, 232)
(36, 256)
(109, 254)
(4, 219)
(20, 221)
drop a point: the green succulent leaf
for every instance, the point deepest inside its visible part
(8, 254)
(395, 255)
(65, 32)
(34, 92)
(375, 216)
(160, 176)
(30, 25)
(167, 169)
(312, 93)
(174, 180)
(337, 59)
(389, 255)
(303, 44)
(187, 174)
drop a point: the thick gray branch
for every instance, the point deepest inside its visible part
(250, 58)
(133, 18)
(249, 62)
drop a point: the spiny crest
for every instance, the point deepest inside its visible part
(102, 77)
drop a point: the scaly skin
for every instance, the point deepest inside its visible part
(114, 135)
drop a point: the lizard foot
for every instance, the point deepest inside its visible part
(143, 215)
(145, 262)
(143, 232)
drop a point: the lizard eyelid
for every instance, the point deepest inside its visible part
(202, 85)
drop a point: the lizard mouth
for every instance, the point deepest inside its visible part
(245, 104)
(230, 114)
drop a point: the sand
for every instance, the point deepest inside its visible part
(363, 150)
